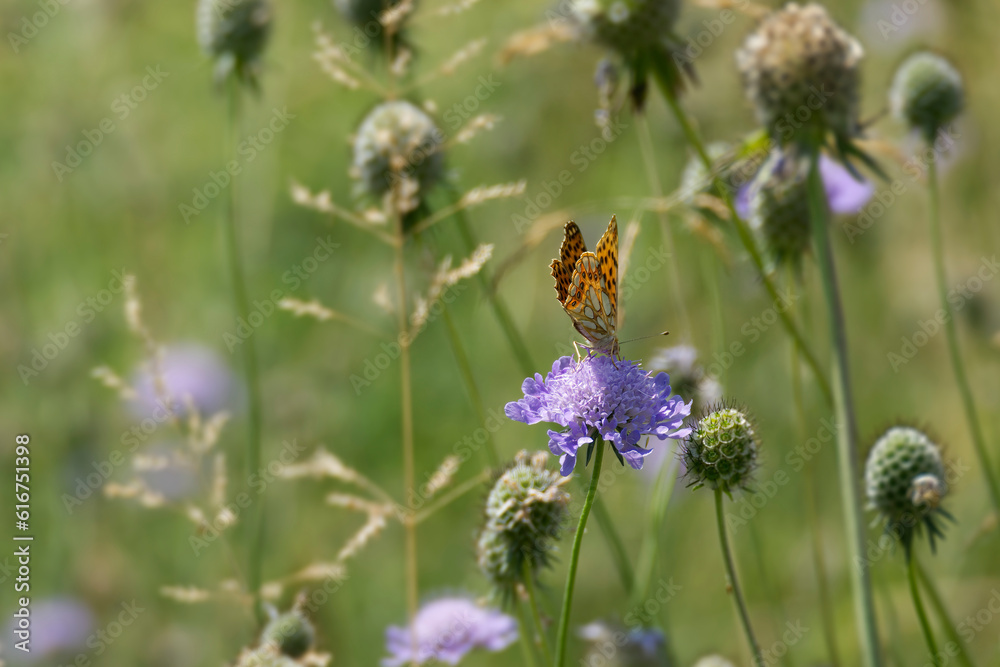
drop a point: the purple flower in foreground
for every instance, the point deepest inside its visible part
(445, 630)
(592, 398)
(845, 194)
(58, 625)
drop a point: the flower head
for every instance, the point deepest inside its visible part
(614, 646)
(397, 151)
(721, 451)
(445, 630)
(800, 63)
(927, 93)
(365, 14)
(190, 375)
(291, 633)
(905, 482)
(641, 33)
(234, 32)
(525, 512)
(598, 397)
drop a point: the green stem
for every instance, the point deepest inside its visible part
(734, 583)
(410, 568)
(919, 606)
(465, 369)
(255, 518)
(529, 585)
(942, 613)
(746, 237)
(513, 336)
(951, 335)
(525, 633)
(574, 558)
(812, 493)
(847, 433)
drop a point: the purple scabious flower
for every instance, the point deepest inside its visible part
(616, 401)
(445, 630)
(58, 625)
(189, 371)
(845, 194)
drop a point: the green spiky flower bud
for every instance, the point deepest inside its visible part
(397, 149)
(626, 26)
(905, 482)
(291, 633)
(721, 451)
(927, 93)
(779, 209)
(234, 32)
(525, 512)
(800, 71)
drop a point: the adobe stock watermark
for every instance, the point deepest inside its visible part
(263, 309)
(88, 484)
(748, 504)
(900, 15)
(257, 482)
(58, 340)
(958, 296)
(875, 550)
(914, 168)
(375, 366)
(100, 641)
(752, 330)
(31, 26)
(121, 108)
(246, 151)
(581, 158)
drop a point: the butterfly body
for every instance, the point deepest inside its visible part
(587, 286)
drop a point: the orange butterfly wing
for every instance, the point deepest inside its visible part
(589, 291)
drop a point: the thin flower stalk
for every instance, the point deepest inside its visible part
(918, 605)
(734, 583)
(951, 336)
(255, 513)
(847, 434)
(529, 586)
(574, 558)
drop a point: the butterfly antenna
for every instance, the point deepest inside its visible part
(632, 340)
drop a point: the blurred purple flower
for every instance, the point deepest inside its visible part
(166, 470)
(638, 647)
(58, 625)
(446, 629)
(592, 398)
(189, 370)
(844, 194)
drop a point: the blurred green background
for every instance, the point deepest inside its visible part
(60, 241)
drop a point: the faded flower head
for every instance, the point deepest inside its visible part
(188, 372)
(927, 93)
(779, 210)
(601, 398)
(713, 661)
(626, 26)
(905, 481)
(688, 378)
(611, 645)
(641, 32)
(397, 150)
(58, 626)
(721, 451)
(234, 32)
(800, 71)
(445, 630)
(291, 633)
(525, 513)
(365, 14)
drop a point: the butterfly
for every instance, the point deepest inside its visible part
(587, 286)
